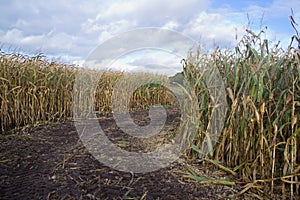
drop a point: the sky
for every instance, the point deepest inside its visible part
(69, 30)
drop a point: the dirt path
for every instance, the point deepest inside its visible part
(50, 162)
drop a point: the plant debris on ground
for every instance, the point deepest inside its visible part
(50, 162)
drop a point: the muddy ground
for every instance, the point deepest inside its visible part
(51, 162)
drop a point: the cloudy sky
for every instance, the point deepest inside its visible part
(70, 29)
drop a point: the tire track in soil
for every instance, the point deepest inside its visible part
(50, 162)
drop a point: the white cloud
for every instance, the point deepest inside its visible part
(73, 28)
(171, 25)
(213, 29)
(118, 11)
(123, 16)
(105, 31)
(50, 43)
(153, 12)
(279, 7)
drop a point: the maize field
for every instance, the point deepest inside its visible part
(260, 142)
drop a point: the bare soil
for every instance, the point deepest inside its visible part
(50, 162)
